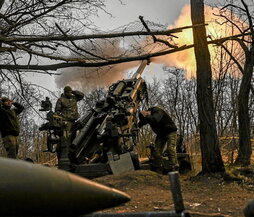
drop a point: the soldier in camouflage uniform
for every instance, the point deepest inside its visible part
(163, 157)
(9, 125)
(67, 107)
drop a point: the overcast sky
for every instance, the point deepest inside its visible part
(159, 11)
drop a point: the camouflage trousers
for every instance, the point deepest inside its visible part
(68, 136)
(11, 146)
(69, 128)
(164, 156)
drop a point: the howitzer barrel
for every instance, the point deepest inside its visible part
(84, 130)
(112, 126)
(140, 69)
(34, 190)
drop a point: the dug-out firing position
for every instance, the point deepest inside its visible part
(106, 135)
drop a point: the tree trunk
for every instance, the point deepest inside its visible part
(245, 149)
(1, 3)
(211, 156)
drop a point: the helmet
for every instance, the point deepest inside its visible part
(4, 99)
(67, 89)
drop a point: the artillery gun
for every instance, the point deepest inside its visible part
(104, 138)
(106, 135)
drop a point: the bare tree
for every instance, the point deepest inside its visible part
(211, 157)
(243, 22)
(245, 149)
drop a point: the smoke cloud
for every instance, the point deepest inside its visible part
(183, 59)
(86, 79)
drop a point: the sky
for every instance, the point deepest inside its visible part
(159, 11)
(124, 12)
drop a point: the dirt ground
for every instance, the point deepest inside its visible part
(150, 191)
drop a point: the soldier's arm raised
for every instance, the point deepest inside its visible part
(79, 95)
(18, 107)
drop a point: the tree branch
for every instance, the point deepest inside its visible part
(81, 63)
(154, 38)
(84, 37)
(77, 47)
(233, 58)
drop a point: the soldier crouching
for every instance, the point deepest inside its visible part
(163, 156)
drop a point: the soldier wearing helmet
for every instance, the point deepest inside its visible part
(67, 107)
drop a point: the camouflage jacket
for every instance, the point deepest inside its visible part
(67, 107)
(9, 123)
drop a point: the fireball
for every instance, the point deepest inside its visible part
(186, 59)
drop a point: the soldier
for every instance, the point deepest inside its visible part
(163, 157)
(66, 106)
(9, 125)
